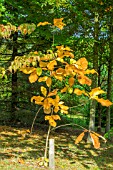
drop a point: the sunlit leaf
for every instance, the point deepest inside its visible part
(56, 117)
(44, 90)
(79, 138)
(60, 71)
(63, 107)
(46, 104)
(28, 70)
(56, 109)
(84, 80)
(39, 71)
(43, 64)
(58, 23)
(52, 122)
(64, 111)
(42, 79)
(43, 23)
(95, 140)
(47, 110)
(96, 91)
(70, 90)
(52, 93)
(80, 92)
(82, 63)
(49, 81)
(37, 99)
(51, 64)
(104, 102)
(90, 71)
(64, 90)
(33, 77)
(71, 81)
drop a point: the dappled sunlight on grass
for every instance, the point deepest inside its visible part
(20, 150)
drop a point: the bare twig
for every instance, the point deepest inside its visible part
(35, 119)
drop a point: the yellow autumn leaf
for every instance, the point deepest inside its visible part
(82, 63)
(38, 99)
(47, 117)
(58, 23)
(96, 91)
(90, 71)
(56, 109)
(43, 23)
(79, 138)
(43, 64)
(63, 107)
(42, 78)
(28, 70)
(84, 80)
(47, 110)
(33, 77)
(57, 76)
(71, 81)
(80, 92)
(44, 90)
(46, 104)
(49, 81)
(56, 117)
(51, 65)
(64, 111)
(64, 90)
(52, 122)
(52, 93)
(104, 102)
(95, 140)
(60, 71)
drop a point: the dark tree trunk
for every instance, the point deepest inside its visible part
(14, 79)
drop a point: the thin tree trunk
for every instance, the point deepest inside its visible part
(94, 78)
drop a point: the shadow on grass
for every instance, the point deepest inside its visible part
(18, 143)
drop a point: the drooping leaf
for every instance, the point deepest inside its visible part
(52, 122)
(33, 77)
(79, 138)
(46, 104)
(104, 102)
(47, 110)
(56, 109)
(71, 81)
(44, 90)
(95, 140)
(51, 65)
(28, 70)
(96, 91)
(49, 81)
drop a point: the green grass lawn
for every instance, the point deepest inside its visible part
(21, 151)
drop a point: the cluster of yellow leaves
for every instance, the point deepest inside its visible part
(56, 22)
(94, 136)
(50, 104)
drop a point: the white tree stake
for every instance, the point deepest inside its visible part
(51, 155)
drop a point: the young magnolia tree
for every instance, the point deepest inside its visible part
(55, 65)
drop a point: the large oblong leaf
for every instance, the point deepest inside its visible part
(33, 77)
